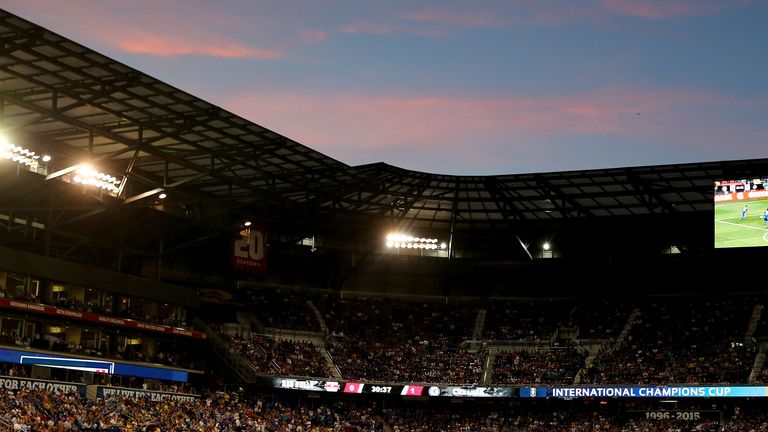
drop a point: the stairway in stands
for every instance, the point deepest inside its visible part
(477, 333)
(320, 343)
(329, 363)
(757, 312)
(488, 369)
(319, 316)
(757, 367)
(594, 349)
(625, 331)
(238, 366)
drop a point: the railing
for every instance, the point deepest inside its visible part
(243, 369)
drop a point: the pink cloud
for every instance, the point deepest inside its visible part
(660, 9)
(359, 125)
(157, 28)
(159, 45)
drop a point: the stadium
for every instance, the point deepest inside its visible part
(166, 262)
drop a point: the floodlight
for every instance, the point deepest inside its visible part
(18, 154)
(90, 177)
(47, 158)
(162, 195)
(247, 223)
(545, 246)
(409, 241)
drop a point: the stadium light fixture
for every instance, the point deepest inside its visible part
(545, 246)
(405, 241)
(163, 196)
(247, 223)
(90, 177)
(18, 154)
(46, 158)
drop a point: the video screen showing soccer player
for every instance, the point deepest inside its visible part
(741, 213)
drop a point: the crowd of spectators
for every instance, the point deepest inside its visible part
(36, 410)
(762, 377)
(93, 306)
(169, 356)
(538, 320)
(283, 357)
(598, 318)
(673, 340)
(681, 340)
(524, 320)
(381, 318)
(283, 309)
(429, 361)
(391, 340)
(550, 366)
(573, 419)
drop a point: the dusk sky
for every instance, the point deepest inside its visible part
(457, 87)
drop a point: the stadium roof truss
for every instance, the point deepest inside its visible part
(69, 101)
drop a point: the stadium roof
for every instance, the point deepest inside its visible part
(61, 98)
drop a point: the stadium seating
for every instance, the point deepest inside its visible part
(554, 367)
(682, 340)
(280, 357)
(668, 340)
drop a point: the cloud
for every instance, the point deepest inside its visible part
(661, 9)
(156, 28)
(160, 45)
(475, 131)
(449, 20)
(426, 22)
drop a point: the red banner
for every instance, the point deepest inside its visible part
(86, 316)
(249, 250)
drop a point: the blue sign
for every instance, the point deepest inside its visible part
(649, 392)
(89, 365)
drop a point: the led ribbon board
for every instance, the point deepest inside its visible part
(645, 392)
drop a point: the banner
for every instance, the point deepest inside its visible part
(14, 383)
(647, 392)
(249, 250)
(308, 385)
(107, 392)
(104, 319)
(471, 391)
(741, 196)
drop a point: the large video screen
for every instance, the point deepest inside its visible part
(741, 213)
(96, 366)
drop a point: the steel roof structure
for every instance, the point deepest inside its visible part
(66, 100)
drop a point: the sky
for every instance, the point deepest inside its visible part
(457, 87)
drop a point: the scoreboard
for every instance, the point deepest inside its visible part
(406, 390)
